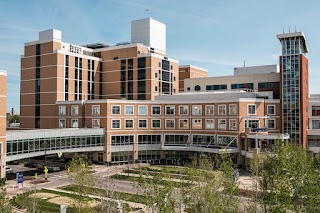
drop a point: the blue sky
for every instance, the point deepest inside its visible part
(215, 34)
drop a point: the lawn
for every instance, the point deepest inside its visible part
(111, 194)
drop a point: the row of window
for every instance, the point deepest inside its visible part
(196, 124)
(170, 110)
(75, 110)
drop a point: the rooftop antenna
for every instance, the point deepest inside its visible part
(148, 11)
(289, 28)
(295, 28)
(244, 63)
(283, 29)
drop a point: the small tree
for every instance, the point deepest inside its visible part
(5, 206)
(81, 174)
(211, 191)
(159, 194)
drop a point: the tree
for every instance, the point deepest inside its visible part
(15, 119)
(289, 180)
(5, 206)
(159, 195)
(211, 191)
(81, 174)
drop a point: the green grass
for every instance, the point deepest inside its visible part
(137, 179)
(153, 173)
(107, 193)
(42, 205)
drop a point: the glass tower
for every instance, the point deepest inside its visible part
(294, 85)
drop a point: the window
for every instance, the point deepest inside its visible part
(227, 140)
(271, 124)
(222, 110)
(196, 110)
(115, 124)
(197, 88)
(188, 88)
(142, 124)
(74, 110)
(209, 123)
(95, 123)
(232, 109)
(183, 110)
(62, 110)
(222, 124)
(142, 110)
(315, 110)
(156, 123)
(128, 110)
(183, 124)
(233, 124)
(129, 124)
(122, 140)
(149, 139)
(174, 78)
(74, 123)
(156, 75)
(95, 110)
(169, 123)
(209, 109)
(271, 109)
(156, 88)
(115, 110)
(251, 124)
(62, 123)
(251, 109)
(169, 110)
(197, 123)
(316, 124)
(156, 110)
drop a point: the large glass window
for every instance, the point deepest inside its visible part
(115, 124)
(271, 109)
(209, 123)
(209, 109)
(95, 110)
(183, 123)
(196, 110)
(222, 124)
(169, 123)
(197, 123)
(122, 140)
(203, 140)
(156, 110)
(115, 110)
(129, 124)
(251, 109)
(176, 140)
(169, 110)
(183, 110)
(222, 109)
(156, 123)
(149, 139)
(142, 124)
(74, 123)
(128, 110)
(227, 140)
(62, 110)
(142, 110)
(95, 123)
